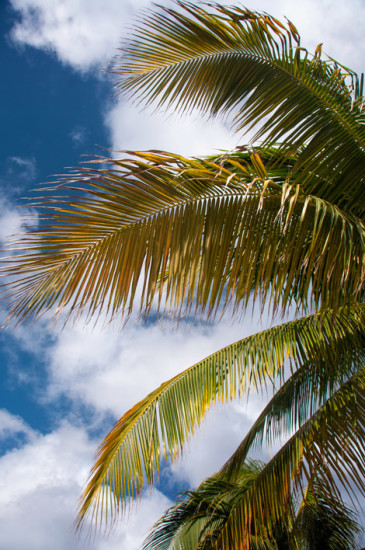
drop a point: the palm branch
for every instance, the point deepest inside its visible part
(196, 234)
(325, 523)
(199, 517)
(251, 64)
(156, 428)
(330, 443)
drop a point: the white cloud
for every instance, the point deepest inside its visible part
(111, 370)
(39, 488)
(139, 130)
(82, 33)
(78, 135)
(86, 33)
(133, 529)
(39, 491)
(220, 434)
(11, 425)
(13, 220)
(339, 25)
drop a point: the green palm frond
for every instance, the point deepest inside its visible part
(326, 523)
(236, 60)
(199, 516)
(331, 443)
(157, 427)
(299, 397)
(198, 234)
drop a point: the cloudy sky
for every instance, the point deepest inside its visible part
(61, 390)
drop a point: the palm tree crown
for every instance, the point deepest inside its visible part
(199, 517)
(281, 222)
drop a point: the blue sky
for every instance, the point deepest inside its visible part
(61, 390)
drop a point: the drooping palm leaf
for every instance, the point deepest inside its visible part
(233, 59)
(325, 523)
(157, 427)
(199, 516)
(299, 398)
(199, 234)
(331, 443)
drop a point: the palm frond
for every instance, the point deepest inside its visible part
(196, 234)
(248, 63)
(157, 427)
(330, 444)
(326, 522)
(299, 397)
(199, 516)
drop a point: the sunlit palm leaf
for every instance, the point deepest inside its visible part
(199, 517)
(195, 233)
(299, 398)
(253, 65)
(331, 443)
(156, 428)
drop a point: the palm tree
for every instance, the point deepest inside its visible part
(281, 224)
(198, 518)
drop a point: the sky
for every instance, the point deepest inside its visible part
(61, 390)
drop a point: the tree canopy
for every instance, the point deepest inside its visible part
(278, 222)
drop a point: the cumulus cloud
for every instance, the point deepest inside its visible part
(135, 129)
(39, 491)
(108, 371)
(78, 136)
(111, 370)
(13, 220)
(82, 33)
(220, 434)
(337, 24)
(85, 33)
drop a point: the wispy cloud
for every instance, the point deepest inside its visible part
(21, 170)
(78, 136)
(13, 425)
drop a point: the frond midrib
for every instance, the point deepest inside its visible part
(112, 232)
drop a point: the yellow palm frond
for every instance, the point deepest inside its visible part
(157, 427)
(197, 234)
